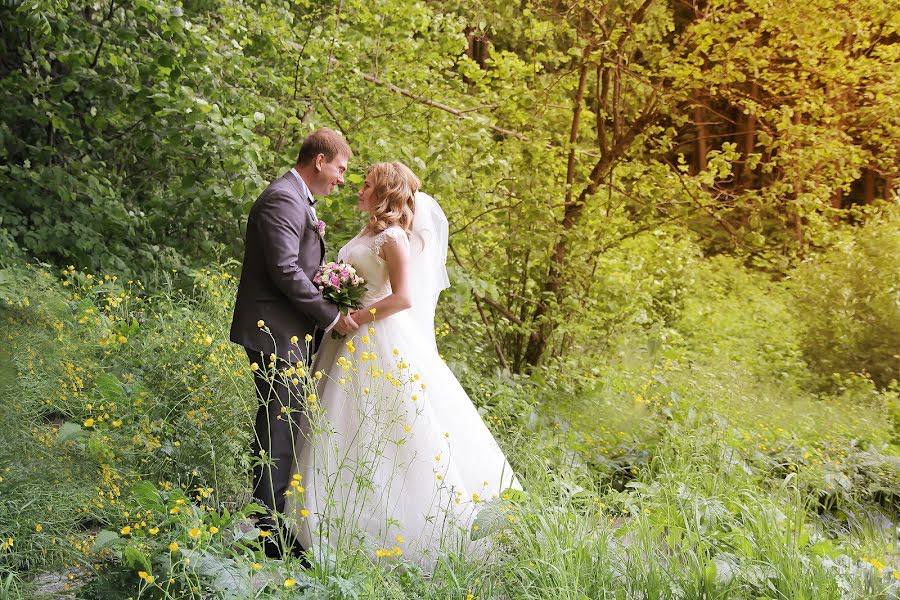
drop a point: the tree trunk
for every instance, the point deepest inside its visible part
(888, 188)
(541, 335)
(869, 186)
(702, 145)
(798, 190)
(837, 203)
(537, 342)
(602, 107)
(477, 48)
(749, 140)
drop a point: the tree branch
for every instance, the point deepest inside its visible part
(453, 111)
(576, 120)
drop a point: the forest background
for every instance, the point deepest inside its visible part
(673, 252)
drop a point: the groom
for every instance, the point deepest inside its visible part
(278, 306)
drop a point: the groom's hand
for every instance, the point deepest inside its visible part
(345, 325)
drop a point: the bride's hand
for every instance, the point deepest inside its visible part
(359, 316)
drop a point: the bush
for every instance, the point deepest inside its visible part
(104, 387)
(846, 299)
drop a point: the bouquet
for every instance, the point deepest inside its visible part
(339, 283)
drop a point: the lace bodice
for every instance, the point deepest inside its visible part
(364, 253)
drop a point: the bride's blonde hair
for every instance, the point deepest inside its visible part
(394, 187)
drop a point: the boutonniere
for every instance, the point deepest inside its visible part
(320, 227)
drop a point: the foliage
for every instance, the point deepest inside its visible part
(132, 132)
(847, 299)
(112, 392)
(673, 231)
(675, 425)
(136, 136)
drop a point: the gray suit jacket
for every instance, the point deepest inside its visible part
(283, 250)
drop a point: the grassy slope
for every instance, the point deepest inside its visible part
(690, 468)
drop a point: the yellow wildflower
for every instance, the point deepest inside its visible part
(260, 323)
(304, 513)
(173, 547)
(214, 530)
(289, 583)
(89, 423)
(125, 530)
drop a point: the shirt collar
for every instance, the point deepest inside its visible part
(304, 188)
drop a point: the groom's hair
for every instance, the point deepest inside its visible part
(323, 141)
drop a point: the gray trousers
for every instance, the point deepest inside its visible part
(278, 432)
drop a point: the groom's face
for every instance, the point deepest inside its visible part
(329, 175)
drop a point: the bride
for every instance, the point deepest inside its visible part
(398, 461)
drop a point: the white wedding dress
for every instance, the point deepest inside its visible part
(398, 461)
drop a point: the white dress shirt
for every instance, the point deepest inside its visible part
(304, 189)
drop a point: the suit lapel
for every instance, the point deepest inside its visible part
(305, 202)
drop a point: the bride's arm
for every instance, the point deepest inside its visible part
(396, 255)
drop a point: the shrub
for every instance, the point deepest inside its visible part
(846, 299)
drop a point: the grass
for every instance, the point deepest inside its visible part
(680, 471)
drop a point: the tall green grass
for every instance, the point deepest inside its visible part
(695, 462)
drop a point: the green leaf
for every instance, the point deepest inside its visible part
(147, 496)
(135, 558)
(110, 387)
(106, 539)
(68, 431)
(220, 573)
(491, 519)
(709, 573)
